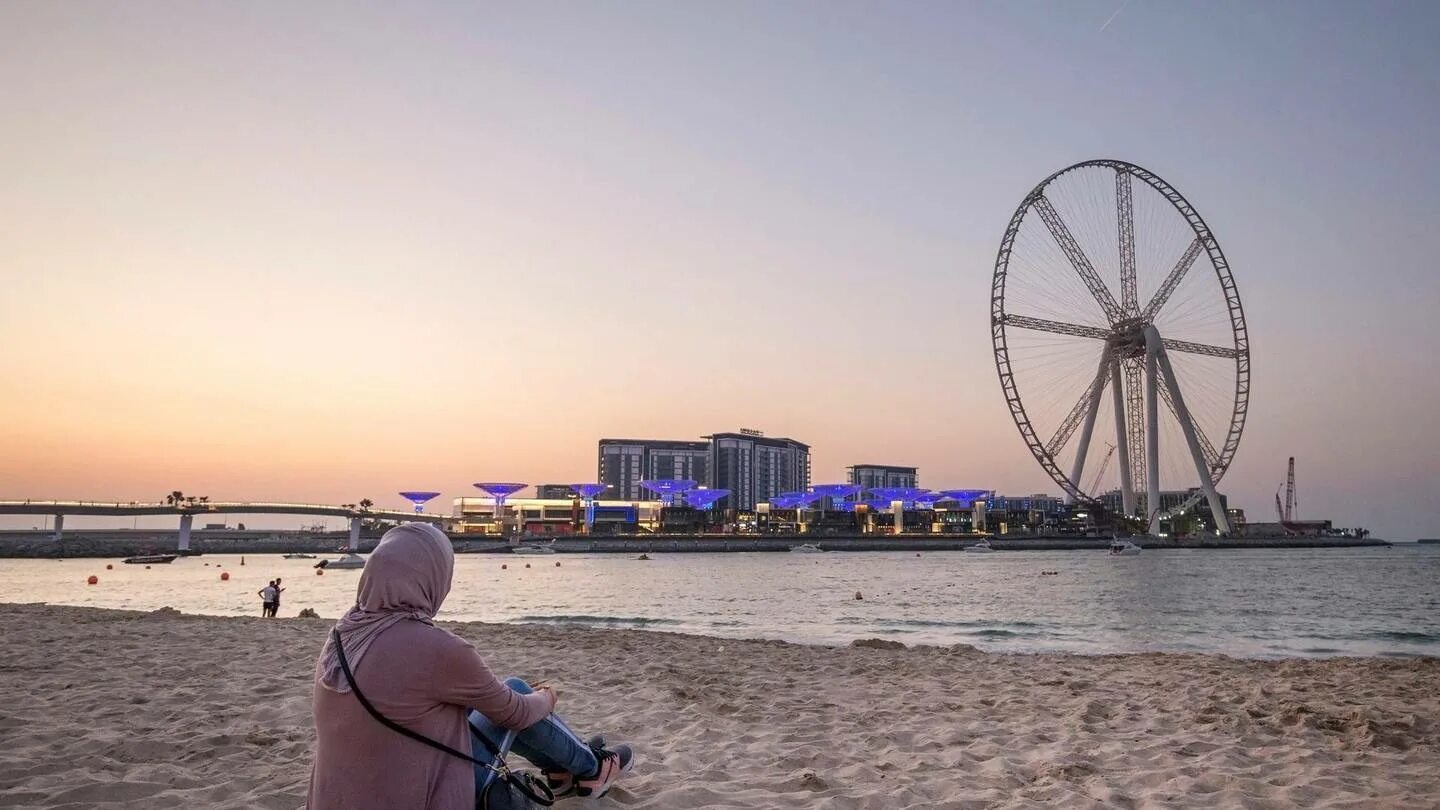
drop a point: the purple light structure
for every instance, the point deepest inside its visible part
(419, 499)
(927, 500)
(705, 498)
(587, 493)
(668, 488)
(892, 494)
(836, 492)
(499, 490)
(964, 496)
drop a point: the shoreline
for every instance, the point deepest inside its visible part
(82, 543)
(215, 711)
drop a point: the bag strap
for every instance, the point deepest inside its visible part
(538, 792)
(391, 724)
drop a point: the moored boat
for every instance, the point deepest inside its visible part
(150, 559)
(1123, 548)
(982, 547)
(807, 548)
(341, 563)
(298, 556)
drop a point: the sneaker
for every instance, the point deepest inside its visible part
(614, 763)
(562, 783)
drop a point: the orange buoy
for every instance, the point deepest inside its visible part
(109, 567)
(319, 572)
(503, 566)
(557, 563)
(147, 568)
(225, 577)
(93, 580)
(527, 565)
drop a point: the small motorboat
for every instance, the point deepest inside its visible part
(151, 559)
(532, 550)
(643, 557)
(298, 556)
(342, 563)
(807, 548)
(1123, 548)
(982, 547)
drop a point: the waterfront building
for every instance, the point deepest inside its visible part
(624, 463)
(756, 468)
(551, 516)
(554, 491)
(881, 476)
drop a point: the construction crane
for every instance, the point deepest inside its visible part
(1286, 512)
(1095, 487)
(1290, 492)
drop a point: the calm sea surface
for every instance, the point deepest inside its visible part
(1374, 601)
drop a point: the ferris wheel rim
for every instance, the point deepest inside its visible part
(1234, 306)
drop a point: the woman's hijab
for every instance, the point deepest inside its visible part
(406, 579)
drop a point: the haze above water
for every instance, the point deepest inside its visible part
(1263, 603)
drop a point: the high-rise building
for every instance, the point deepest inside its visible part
(624, 463)
(876, 476)
(756, 468)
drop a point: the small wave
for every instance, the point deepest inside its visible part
(581, 618)
(1321, 650)
(1404, 635)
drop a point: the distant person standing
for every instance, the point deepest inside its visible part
(275, 604)
(268, 595)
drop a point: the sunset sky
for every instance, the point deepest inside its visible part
(328, 251)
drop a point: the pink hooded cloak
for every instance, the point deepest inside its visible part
(417, 674)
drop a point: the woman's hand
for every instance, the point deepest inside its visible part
(548, 692)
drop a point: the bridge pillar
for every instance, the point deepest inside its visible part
(185, 523)
(59, 526)
(354, 534)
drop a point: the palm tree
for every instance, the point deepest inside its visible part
(175, 498)
(365, 504)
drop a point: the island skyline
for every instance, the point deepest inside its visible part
(288, 257)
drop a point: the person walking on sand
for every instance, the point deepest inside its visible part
(433, 684)
(275, 605)
(267, 599)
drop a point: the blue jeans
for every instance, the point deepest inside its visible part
(549, 744)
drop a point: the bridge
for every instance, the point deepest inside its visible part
(187, 510)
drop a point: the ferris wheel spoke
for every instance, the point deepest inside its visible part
(1058, 327)
(1125, 217)
(1177, 275)
(1071, 248)
(1085, 405)
(1212, 458)
(1200, 348)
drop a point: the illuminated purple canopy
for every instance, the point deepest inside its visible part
(836, 491)
(705, 498)
(876, 504)
(964, 496)
(588, 491)
(789, 500)
(892, 494)
(419, 498)
(927, 500)
(668, 488)
(500, 490)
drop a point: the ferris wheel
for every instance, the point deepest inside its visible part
(1107, 278)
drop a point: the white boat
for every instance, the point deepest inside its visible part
(532, 550)
(348, 561)
(982, 547)
(807, 548)
(1123, 548)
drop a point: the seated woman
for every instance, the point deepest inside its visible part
(428, 680)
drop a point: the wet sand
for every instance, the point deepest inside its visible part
(118, 709)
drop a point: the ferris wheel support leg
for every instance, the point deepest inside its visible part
(1088, 427)
(1122, 441)
(1153, 347)
(1217, 510)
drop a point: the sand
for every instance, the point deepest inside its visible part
(116, 709)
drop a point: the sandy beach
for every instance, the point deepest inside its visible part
(120, 709)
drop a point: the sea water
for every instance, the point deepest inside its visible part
(1254, 603)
